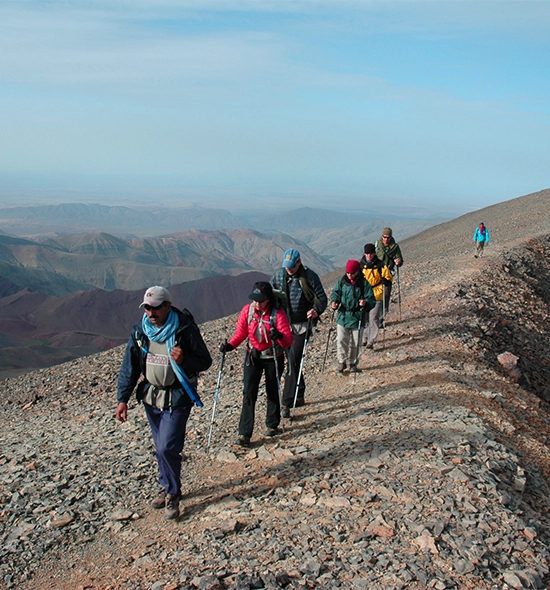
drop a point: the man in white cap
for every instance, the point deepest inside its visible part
(307, 300)
(167, 349)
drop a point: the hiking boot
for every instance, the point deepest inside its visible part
(160, 500)
(272, 431)
(369, 345)
(286, 412)
(172, 506)
(341, 367)
(243, 441)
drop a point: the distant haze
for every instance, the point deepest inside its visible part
(437, 106)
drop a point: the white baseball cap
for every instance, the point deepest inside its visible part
(154, 296)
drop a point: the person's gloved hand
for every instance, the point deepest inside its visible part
(274, 334)
(226, 347)
(387, 282)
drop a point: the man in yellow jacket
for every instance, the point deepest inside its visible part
(379, 277)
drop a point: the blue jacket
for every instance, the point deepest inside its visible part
(481, 237)
(196, 358)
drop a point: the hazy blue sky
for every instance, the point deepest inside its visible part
(328, 103)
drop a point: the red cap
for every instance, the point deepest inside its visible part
(352, 266)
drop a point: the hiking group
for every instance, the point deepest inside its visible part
(166, 351)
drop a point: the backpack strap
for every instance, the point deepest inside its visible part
(273, 316)
(272, 323)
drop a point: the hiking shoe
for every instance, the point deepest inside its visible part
(272, 431)
(172, 506)
(160, 500)
(286, 412)
(354, 369)
(341, 367)
(243, 441)
(370, 346)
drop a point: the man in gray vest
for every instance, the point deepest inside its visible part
(306, 302)
(164, 356)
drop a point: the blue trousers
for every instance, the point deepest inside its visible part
(168, 430)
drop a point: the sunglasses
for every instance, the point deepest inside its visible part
(151, 308)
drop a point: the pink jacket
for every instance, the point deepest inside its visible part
(244, 330)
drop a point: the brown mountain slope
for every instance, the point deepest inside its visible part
(39, 330)
(107, 262)
(509, 222)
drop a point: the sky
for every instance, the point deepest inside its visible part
(438, 105)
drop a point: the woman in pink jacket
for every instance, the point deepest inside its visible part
(268, 333)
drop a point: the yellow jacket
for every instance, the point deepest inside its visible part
(376, 277)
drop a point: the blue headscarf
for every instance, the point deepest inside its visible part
(167, 334)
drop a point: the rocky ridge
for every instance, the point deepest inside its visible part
(429, 469)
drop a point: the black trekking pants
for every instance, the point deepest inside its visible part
(253, 371)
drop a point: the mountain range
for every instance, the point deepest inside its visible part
(335, 235)
(65, 264)
(57, 295)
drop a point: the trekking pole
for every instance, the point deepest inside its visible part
(328, 339)
(384, 316)
(278, 388)
(399, 293)
(359, 340)
(216, 397)
(300, 370)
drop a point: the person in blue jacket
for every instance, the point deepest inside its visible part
(166, 349)
(481, 237)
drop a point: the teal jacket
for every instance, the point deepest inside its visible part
(348, 296)
(481, 236)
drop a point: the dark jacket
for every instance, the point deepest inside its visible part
(348, 296)
(196, 358)
(388, 254)
(298, 303)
